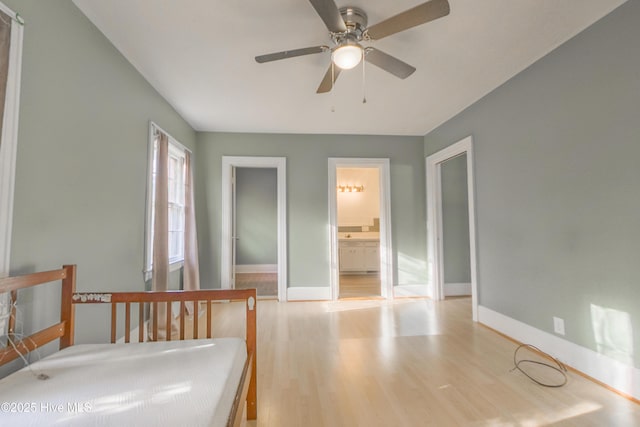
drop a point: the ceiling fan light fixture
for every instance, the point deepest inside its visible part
(347, 56)
(348, 26)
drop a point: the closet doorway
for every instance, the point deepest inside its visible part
(249, 257)
(360, 228)
(456, 270)
(255, 237)
(461, 153)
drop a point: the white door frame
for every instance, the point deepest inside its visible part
(434, 220)
(9, 138)
(386, 251)
(226, 267)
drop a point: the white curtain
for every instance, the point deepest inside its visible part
(160, 271)
(191, 275)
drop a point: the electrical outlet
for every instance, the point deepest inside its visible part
(558, 325)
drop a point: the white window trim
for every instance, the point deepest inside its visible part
(174, 264)
(9, 136)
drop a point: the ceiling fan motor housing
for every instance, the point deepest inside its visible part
(356, 21)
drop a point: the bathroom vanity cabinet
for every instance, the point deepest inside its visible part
(359, 252)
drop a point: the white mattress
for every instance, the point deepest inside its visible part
(176, 383)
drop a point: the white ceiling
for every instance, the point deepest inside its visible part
(198, 54)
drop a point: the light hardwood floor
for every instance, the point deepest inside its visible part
(359, 285)
(266, 284)
(410, 362)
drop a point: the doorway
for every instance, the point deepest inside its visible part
(456, 271)
(246, 260)
(358, 214)
(255, 260)
(461, 151)
(360, 228)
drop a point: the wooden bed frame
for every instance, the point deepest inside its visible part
(247, 388)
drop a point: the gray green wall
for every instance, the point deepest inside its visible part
(307, 198)
(557, 181)
(81, 161)
(256, 216)
(455, 220)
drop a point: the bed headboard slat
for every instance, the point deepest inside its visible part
(32, 342)
(67, 313)
(127, 322)
(183, 310)
(20, 282)
(168, 321)
(140, 322)
(11, 329)
(114, 322)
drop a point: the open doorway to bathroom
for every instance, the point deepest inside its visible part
(358, 214)
(361, 256)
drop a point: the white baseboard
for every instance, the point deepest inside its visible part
(257, 268)
(615, 374)
(400, 291)
(457, 289)
(310, 293)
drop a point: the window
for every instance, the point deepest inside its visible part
(176, 203)
(176, 199)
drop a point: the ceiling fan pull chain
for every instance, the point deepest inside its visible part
(333, 95)
(333, 75)
(364, 95)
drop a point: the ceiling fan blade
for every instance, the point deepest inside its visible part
(327, 84)
(418, 15)
(389, 63)
(330, 14)
(290, 53)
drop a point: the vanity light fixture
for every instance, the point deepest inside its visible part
(350, 188)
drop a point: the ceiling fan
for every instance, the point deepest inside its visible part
(348, 28)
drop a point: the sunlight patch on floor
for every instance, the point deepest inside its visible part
(349, 305)
(574, 411)
(549, 418)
